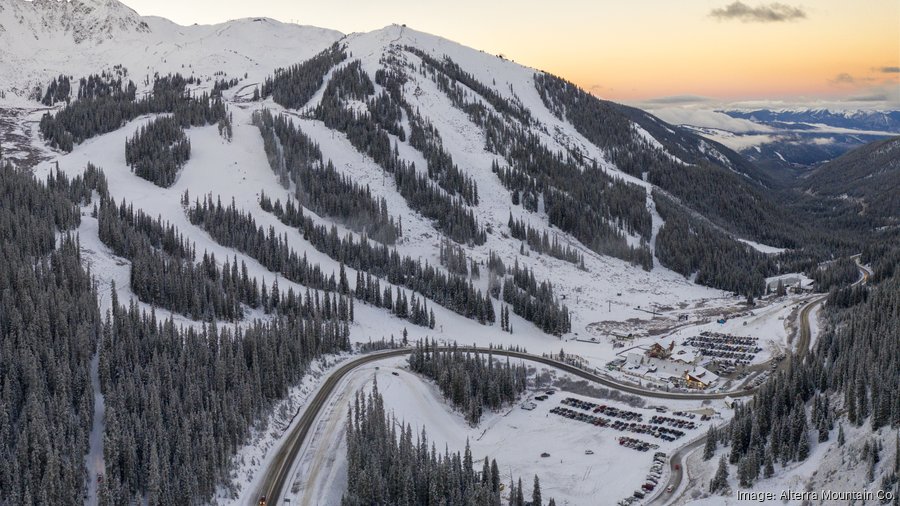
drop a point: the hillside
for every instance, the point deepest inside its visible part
(234, 208)
(43, 39)
(868, 177)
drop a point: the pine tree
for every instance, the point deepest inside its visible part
(769, 465)
(536, 493)
(709, 448)
(720, 480)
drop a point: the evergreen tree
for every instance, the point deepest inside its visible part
(536, 493)
(709, 447)
(720, 480)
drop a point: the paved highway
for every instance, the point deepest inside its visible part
(278, 473)
(677, 460)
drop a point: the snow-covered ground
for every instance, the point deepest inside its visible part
(268, 436)
(830, 467)
(610, 297)
(762, 248)
(94, 461)
(515, 437)
(45, 39)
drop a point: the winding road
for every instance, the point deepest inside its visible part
(278, 473)
(676, 461)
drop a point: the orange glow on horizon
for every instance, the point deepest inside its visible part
(630, 50)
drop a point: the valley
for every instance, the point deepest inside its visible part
(264, 263)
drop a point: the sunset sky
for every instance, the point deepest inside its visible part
(671, 52)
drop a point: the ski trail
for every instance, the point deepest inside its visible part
(94, 460)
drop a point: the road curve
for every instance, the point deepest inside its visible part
(278, 472)
(676, 461)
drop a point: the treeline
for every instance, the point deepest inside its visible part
(59, 90)
(104, 85)
(453, 258)
(181, 402)
(318, 186)
(235, 229)
(423, 135)
(368, 133)
(717, 192)
(49, 327)
(535, 301)
(689, 246)
(774, 427)
(294, 87)
(79, 189)
(884, 258)
(852, 374)
(578, 198)
(164, 273)
(836, 274)
(158, 151)
(541, 242)
(106, 106)
(469, 381)
(507, 107)
(454, 292)
(857, 353)
(390, 466)
(222, 85)
(414, 309)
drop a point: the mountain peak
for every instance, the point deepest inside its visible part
(80, 20)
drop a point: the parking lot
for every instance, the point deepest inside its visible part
(725, 349)
(652, 480)
(624, 421)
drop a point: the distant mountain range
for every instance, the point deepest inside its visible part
(876, 121)
(794, 140)
(867, 178)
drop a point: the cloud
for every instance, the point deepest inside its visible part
(771, 13)
(704, 118)
(741, 142)
(870, 97)
(679, 100)
(889, 70)
(842, 78)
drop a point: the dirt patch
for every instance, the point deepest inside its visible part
(16, 133)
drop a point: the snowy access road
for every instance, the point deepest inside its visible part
(676, 467)
(278, 473)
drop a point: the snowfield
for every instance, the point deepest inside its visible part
(830, 467)
(515, 437)
(608, 299)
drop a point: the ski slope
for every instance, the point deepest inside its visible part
(44, 39)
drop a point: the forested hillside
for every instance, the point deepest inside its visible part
(49, 329)
(869, 177)
(469, 381)
(418, 474)
(259, 215)
(850, 378)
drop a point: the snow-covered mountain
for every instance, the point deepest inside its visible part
(622, 223)
(880, 121)
(42, 39)
(785, 140)
(476, 105)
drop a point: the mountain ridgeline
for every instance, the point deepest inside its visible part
(498, 199)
